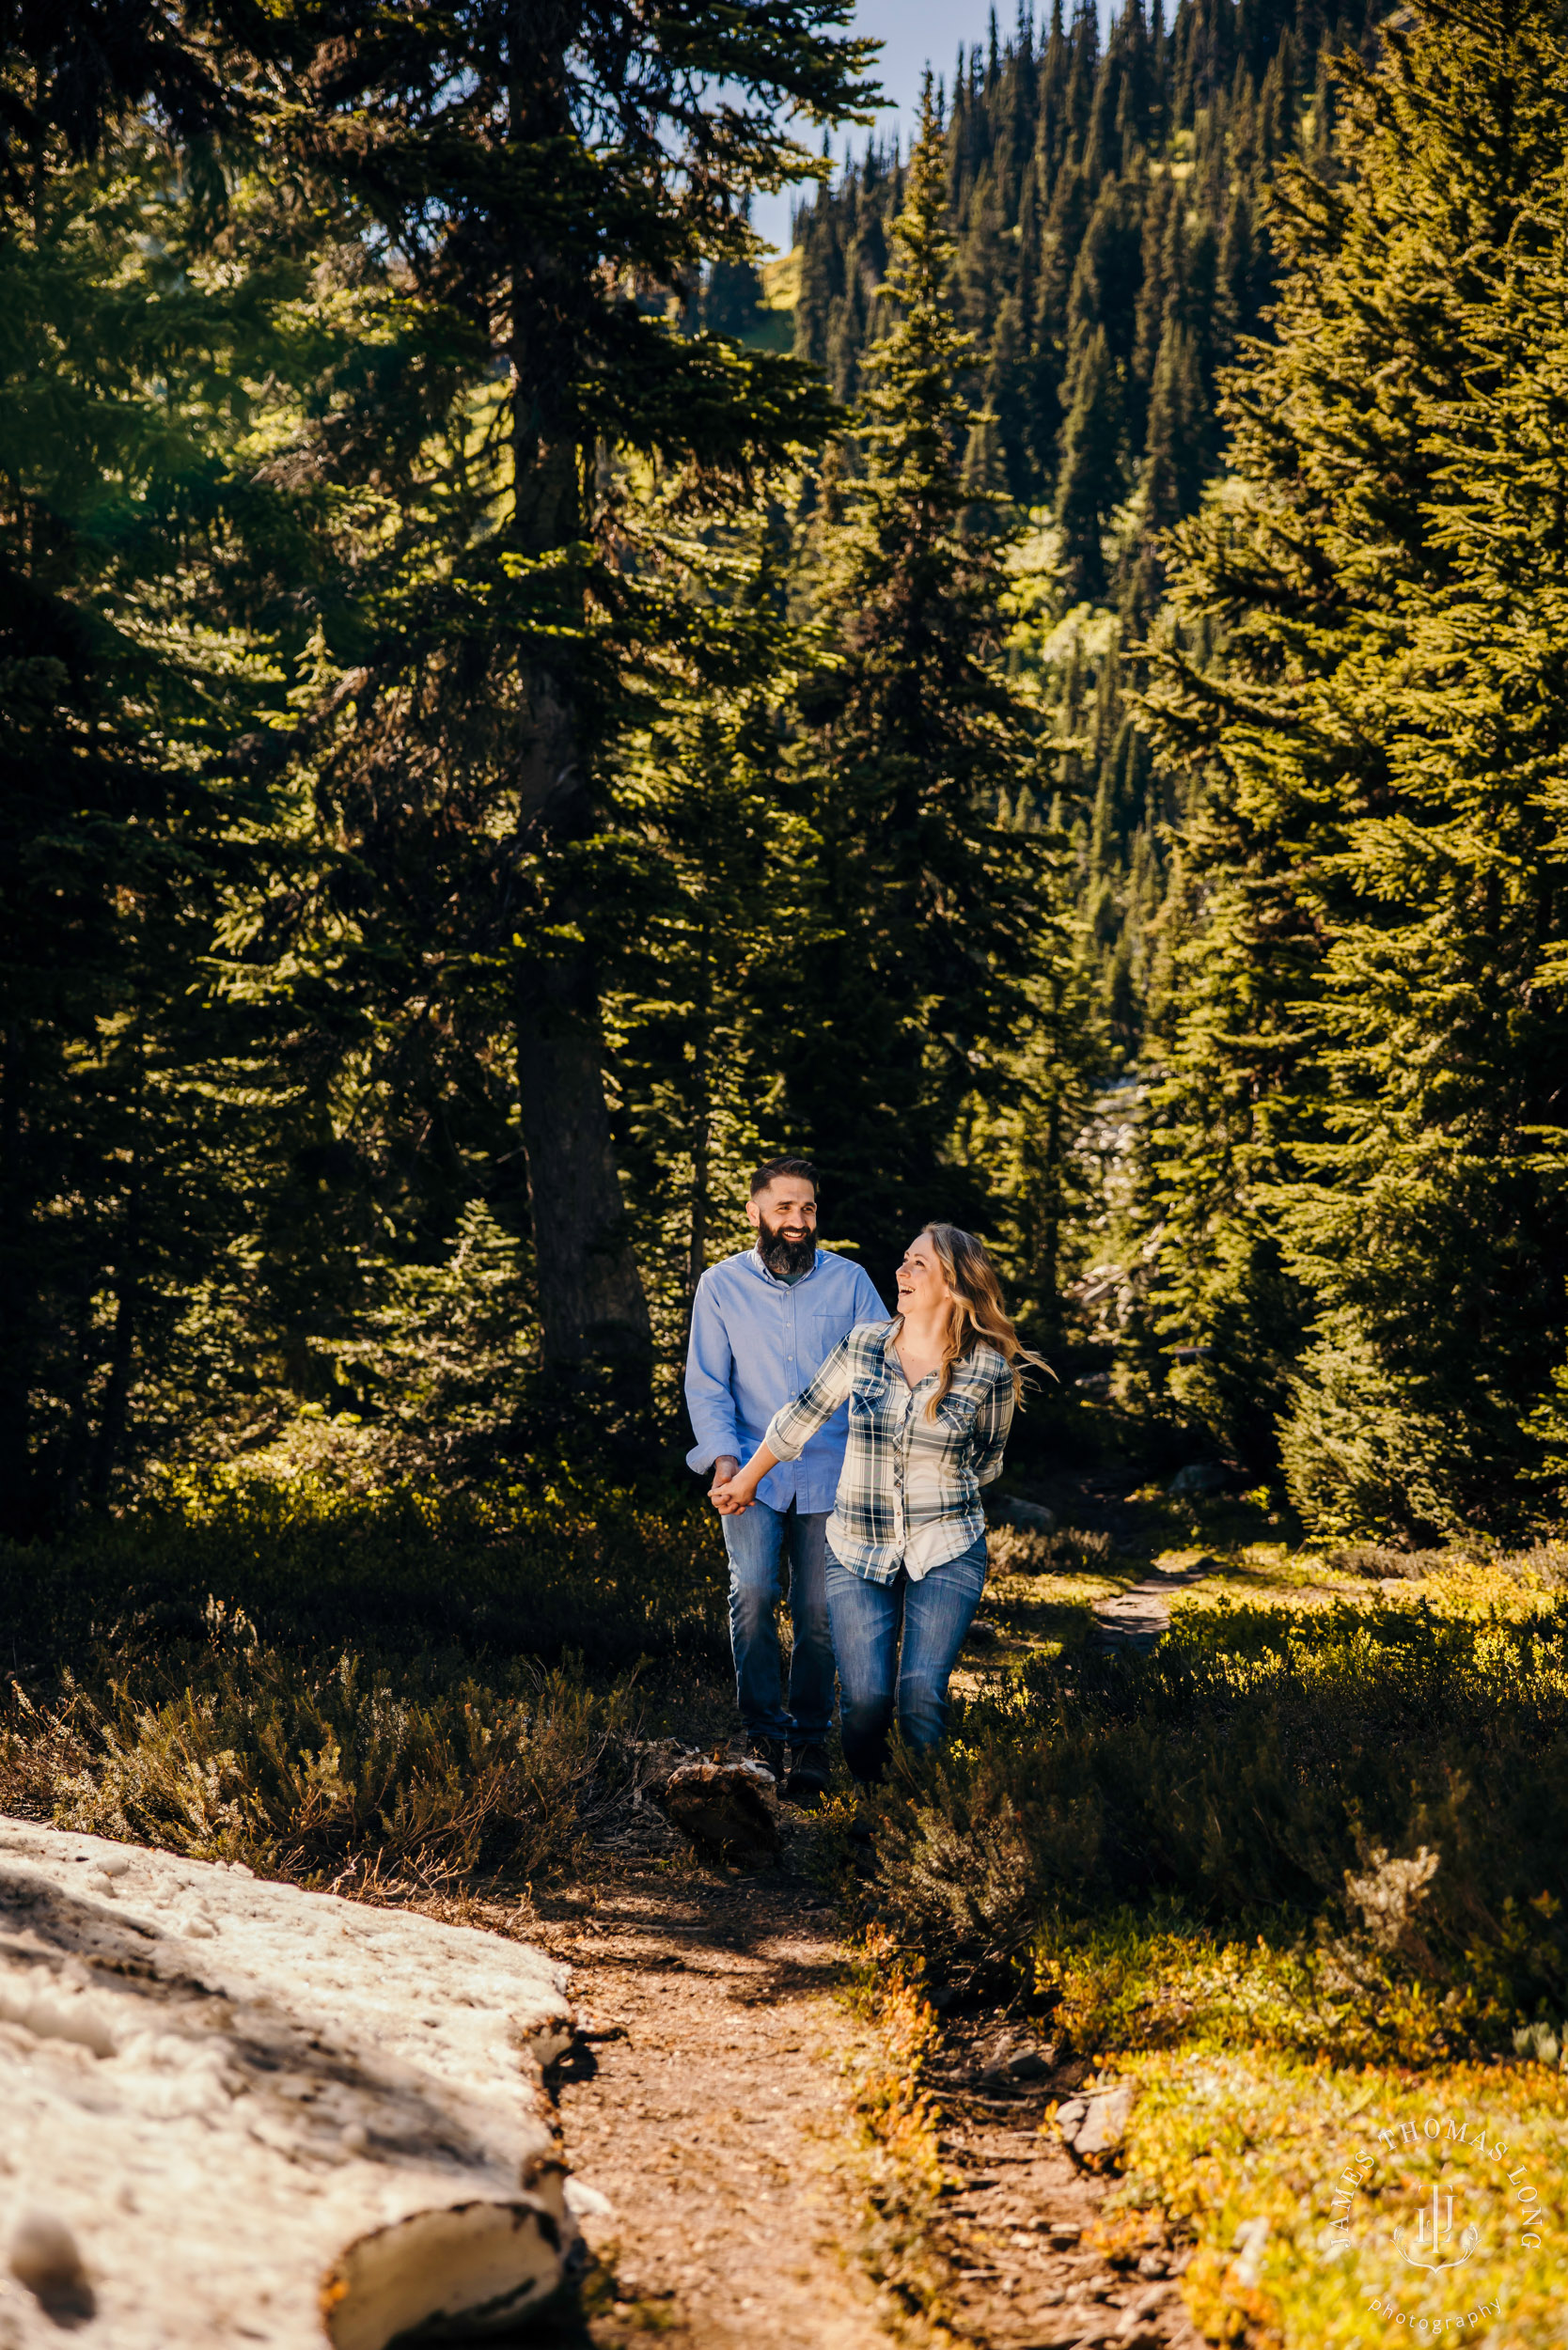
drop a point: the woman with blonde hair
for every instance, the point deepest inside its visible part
(931, 1399)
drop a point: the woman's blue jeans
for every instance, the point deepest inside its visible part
(879, 1676)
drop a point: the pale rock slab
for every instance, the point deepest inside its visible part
(232, 2112)
(1094, 2126)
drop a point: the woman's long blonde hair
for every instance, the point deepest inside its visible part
(978, 1311)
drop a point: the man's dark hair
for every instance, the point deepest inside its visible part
(766, 1175)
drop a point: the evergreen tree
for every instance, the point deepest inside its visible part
(548, 205)
(1065, 223)
(1173, 460)
(932, 919)
(147, 566)
(732, 298)
(1368, 1061)
(714, 884)
(1148, 314)
(1089, 485)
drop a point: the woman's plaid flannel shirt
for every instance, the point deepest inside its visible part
(909, 1494)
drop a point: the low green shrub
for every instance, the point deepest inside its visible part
(1263, 1773)
(306, 1772)
(1545, 1565)
(320, 1684)
(614, 1574)
(1065, 1550)
(338, 1767)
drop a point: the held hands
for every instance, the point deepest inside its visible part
(726, 1469)
(732, 1493)
(739, 1494)
(735, 1488)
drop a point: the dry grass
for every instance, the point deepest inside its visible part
(362, 1692)
(333, 1772)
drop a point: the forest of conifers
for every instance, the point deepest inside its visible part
(503, 726)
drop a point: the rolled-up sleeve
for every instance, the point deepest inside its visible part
(793, 1427)
(992, 1423)
(710, 1398)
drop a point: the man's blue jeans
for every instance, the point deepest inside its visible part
(759, 1539)
(878, 1676)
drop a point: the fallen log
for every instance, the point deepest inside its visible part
(233, 2112)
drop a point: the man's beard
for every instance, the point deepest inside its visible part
(783, 1256)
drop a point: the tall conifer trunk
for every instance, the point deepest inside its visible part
(591, 1301)
(702, 1122)
(17, 1292)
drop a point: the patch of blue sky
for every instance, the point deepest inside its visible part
(912, 33)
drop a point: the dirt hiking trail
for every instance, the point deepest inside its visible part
(707, 2101)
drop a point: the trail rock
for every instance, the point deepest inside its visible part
(1199, 1477)
(729, 1809)
(231, 2111)
(1017, 2061)
(1094, 2126)
(1032, 1517)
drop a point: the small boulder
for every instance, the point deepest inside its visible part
(656, 1762)
(729, 1809)
(1095, 2127)
(1032, 1517)
(1199, 1477)
(1017, 2061)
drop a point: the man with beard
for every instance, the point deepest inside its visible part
(763, 1323)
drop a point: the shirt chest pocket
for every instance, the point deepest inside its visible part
(819, 1333)
(954, 1425)
(868, 1402)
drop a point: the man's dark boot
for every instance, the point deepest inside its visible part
(769, 1751)
(809, 1778)
(862, 1848)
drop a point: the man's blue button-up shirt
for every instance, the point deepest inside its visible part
(755, 1343)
